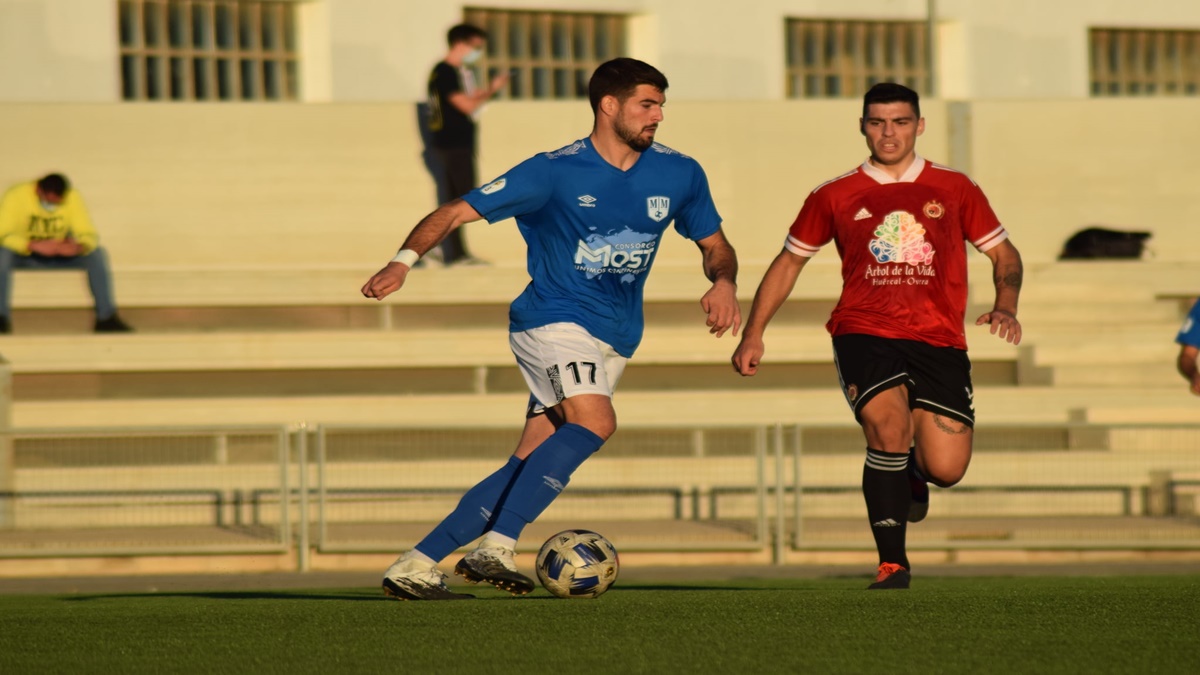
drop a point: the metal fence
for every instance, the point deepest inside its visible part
(143, 491)
(1065, 486)
(380, 489)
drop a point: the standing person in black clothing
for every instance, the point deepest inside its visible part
(454, 104)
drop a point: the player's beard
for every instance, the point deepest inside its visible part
(633, 137)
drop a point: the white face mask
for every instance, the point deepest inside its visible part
(47, 206)
(473, 56)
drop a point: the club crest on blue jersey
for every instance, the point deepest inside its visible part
(658, 207)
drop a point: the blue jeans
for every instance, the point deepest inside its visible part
(95, 263)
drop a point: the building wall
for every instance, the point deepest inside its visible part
(1052, 168)
(342, 184)
(58, 50)
(1034, 48)
(381, 50)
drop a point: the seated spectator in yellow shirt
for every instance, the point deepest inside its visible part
(45, 226)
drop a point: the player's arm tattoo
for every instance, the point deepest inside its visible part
(952, 427)
(1010, 275)
(1007, 274)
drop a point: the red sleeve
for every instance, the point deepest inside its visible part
(980, 225)
(813, 227)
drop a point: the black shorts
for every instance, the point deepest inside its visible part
(938, 378)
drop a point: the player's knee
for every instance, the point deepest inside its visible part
(945, 476)
(887, 422)
(892, 433)
(603, 426)
(606, 428)
(945, 482)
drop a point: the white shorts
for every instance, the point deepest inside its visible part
(561, 360)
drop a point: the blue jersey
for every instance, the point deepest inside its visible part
(1189, 334)
(592, 232)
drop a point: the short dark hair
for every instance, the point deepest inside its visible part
(891, 92)
(620, 77)
(54, 184)
(464, 32)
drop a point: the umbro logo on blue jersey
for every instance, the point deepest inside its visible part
(587, 200)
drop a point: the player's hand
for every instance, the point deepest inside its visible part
(720, 303)
(386, 281)
(747, 356)
(1004, 324)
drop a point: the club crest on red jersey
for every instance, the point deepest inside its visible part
(935, 210)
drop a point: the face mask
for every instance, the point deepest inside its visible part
(473, 56)
(47, 206)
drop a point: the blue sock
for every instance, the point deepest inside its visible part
(469, 520)
(547, 471)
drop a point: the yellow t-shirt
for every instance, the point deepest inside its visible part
(22, 220)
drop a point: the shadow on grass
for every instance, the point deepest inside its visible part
(372, 595)
(352, 596)
(658, 588)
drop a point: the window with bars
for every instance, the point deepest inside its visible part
(208, 50)
(840, 59)
(1145, 62)
(550, 55)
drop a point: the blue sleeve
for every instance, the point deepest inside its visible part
(698, 218)
(1189, 334)
(524, 189)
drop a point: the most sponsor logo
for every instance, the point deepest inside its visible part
(629, 256)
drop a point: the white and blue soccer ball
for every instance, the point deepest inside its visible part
(577, 564)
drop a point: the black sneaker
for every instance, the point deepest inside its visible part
(495, 566)
(5, 325)
(112, 324)
(411, 580)
(891, 575)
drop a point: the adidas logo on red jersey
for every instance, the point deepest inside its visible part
(862, 214)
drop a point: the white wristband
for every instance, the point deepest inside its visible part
(407, 256)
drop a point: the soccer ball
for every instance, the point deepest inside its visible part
(577, 564)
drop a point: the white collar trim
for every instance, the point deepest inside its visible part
(884, 178)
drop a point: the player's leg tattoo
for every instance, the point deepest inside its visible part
(951, 426)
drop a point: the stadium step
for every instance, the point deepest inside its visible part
(824, 406)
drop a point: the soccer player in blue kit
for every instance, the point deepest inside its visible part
(1189, 349)
(592, 215)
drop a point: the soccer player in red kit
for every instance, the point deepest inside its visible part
(899, 223)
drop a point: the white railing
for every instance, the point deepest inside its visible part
(144, 491)
(783, 489)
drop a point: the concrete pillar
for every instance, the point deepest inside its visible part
(1159, 501)
(8, 481)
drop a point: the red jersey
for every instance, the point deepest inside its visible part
(904, 263)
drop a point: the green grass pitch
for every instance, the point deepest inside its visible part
(1114, 624)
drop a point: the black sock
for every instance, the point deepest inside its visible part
(885, 487)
